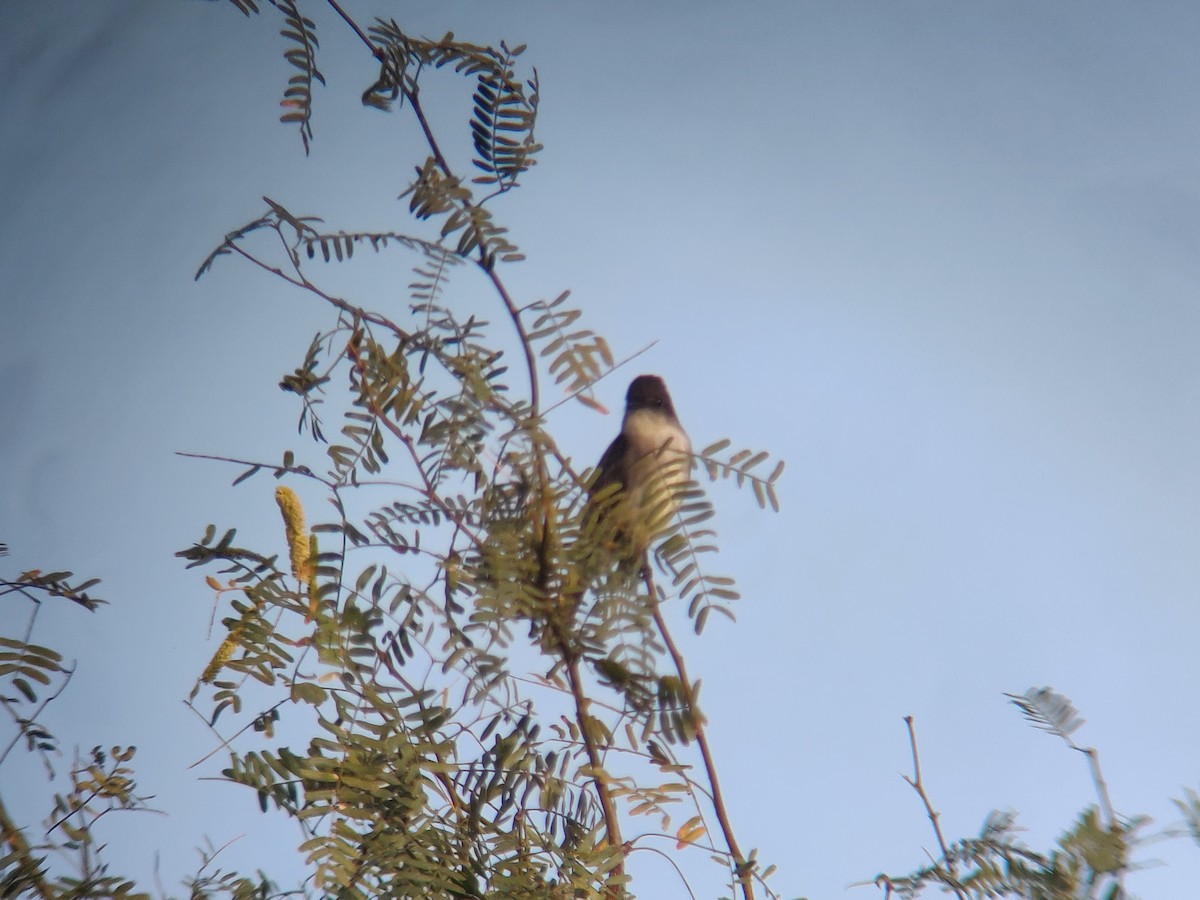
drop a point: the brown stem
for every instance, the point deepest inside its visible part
(742, 869)
(513, 312)
(934, 817)
(343, 305)
(375, 51)
(612, 822)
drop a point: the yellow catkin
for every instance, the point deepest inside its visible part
(293, 523)
(224, 652)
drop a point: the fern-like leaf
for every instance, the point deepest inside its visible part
(1048, 711)
(1189, 807)
(740, 466)
(297, 97)
(502, 124)
(53, 584)
(232, 238)
(577, 358)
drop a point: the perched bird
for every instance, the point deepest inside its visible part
(650, 456)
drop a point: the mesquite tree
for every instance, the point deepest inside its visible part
(460, 678)
(500, 706)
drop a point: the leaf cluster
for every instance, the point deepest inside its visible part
(1089, 861)
(480, 661)
(31, 677)
(464, 558)
(301, 34)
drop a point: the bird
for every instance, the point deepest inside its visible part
(649, 458)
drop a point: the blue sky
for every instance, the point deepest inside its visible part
(940, 257)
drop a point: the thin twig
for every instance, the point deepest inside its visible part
(612, 822)
(209, 857)
(30, 720)
(918, 785)
(1101, 784)
(375, 51)
(742, 868)
(671, 861)
(587, 387)
(1093, 757)
(1110, 819)
(278, 468)
(343, 305)
(226, 742)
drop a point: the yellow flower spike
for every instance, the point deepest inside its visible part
(224, 652)
(293, 523)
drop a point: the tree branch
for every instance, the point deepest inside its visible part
(743, 869)
(918, 785)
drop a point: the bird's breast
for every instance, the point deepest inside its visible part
(648, 430)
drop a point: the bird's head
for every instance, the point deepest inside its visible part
(649, 392)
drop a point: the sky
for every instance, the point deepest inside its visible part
(939, 257)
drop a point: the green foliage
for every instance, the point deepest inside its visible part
(297, 99)
(740, 466)
(1090, 860)
(31, 677)
(502, 129)
(301, 33)
(502, 123)
(480, 661)
(492, 683)
(577, 358)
